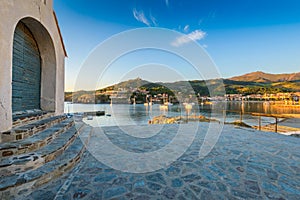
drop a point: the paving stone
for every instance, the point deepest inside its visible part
(197, 190)
(274, 196)
(181, 197)
(169, 193)
(177, 183)
(81, 193)
(119, 181)
(243, 194)
(104, 177)
(207, 194)
(252, 186)
(144, 191)
(236, 162)
(269, 187)
(189, 194)
(289, 189)
(207, 184)
(191, 178)
(208, 175)
(141, 197)
(217, 170)
(221, 186)
(115, 191)
(154, 186)
(289, 181)
(139, 183)
(46, 195)
(157, 177)
(96, 194)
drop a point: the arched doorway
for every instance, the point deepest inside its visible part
(26, 70)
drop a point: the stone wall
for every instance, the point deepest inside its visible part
(39, 17)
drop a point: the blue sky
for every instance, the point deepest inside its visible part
(240, 36)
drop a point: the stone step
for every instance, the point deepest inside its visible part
(27, 130)
(28, 117)
(34, 142)
(30, 161)
(24, 182)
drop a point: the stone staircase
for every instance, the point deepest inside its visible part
(39, 149)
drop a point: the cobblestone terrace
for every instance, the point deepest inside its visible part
(244, 164)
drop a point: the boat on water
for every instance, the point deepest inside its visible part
(168, 104)
(89, 117)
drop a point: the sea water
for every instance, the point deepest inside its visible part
(139, 114)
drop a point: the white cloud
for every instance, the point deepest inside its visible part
(193, 36)
(141, 17)
(153, 20)
(186, 28)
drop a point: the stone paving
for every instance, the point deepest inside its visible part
(244, 164)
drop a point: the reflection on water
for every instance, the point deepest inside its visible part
(139, 114)
(260, 107)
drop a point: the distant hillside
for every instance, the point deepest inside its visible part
(133, 83)
(261, 77)
(252, 83)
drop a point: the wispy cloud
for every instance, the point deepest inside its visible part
(167, 3)
(186, 28)
(200, 21)
(141, 17)
(153, 20)
(193, 36)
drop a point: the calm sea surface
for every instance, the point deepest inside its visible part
(139, 114)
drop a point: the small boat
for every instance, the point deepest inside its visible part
(108, 115)
(89, 117)
(69, 115)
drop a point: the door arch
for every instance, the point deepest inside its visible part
(26, 70)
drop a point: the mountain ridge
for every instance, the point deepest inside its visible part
(263, 77)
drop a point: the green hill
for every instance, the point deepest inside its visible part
(252, 83)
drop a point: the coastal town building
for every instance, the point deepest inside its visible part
(31, 60)
(288, 97)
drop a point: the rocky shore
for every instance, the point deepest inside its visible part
(162, 119)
